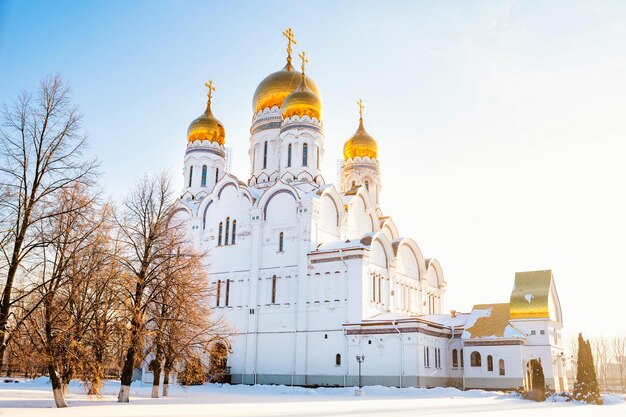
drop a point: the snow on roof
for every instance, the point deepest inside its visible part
(490, 321)
(341, 244)
(446, 319)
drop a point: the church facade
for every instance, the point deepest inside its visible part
(310, 274)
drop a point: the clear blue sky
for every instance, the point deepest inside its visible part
(501, 124)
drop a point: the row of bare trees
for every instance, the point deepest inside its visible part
(89, 290)
(609, 354)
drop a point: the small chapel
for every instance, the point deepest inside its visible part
(314, 277)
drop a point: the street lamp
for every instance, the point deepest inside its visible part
(360, 359)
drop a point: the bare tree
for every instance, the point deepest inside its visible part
(143, 229)
(601, 347)
(619, 359)
(41, 151)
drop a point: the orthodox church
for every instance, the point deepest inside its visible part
(318, 283)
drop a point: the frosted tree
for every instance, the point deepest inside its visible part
(586, 385)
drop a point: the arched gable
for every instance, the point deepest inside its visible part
(381, 251)
(410, 261)
(434, 268)
(278, 188)
(390, 229)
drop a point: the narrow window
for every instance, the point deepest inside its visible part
(232, 240)
(219, 290)
(428, 357)
(203, 180)
(265, 155)
(455, 358)
(227, 293)
(305, 154)
(289, 155)
(373, 288)
(501, 366)
(367, 185)
(274, 289)
(317, 154)
(475, 360)
(217, 175)
(490, 363)
(462, 359)
(190, 175)
(338, 360)
(380, 298)
(219, 234)
(227, 230)
(280, 242)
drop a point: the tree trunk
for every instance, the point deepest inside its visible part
(57, 389)
(166, 377)
(156, 380)
(127, 375)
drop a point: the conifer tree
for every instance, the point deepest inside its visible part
(586, 386)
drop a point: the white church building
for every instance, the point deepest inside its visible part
(310, 274)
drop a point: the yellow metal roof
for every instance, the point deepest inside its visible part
(490, 321)
(530, 296)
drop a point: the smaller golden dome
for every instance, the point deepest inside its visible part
(303, 101)
(206, 126)
(361, 144)
(274, 88)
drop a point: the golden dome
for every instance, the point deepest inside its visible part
(302, 102)
(274, 88)
(361, 144)
(206, 126)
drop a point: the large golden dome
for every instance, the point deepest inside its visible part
(361, 144)
(302, 102)
(274, 88)
(206, 126)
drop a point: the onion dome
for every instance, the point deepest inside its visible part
(207, 127)
(361, 144)
(274, 88)
(303, 101)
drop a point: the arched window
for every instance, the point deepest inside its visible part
(462, 359)
(227, 293)
(289, 150)
(218, 293)
(190, 175)
(227, 230)
(475, 360)
(232, 241)
(367, 185)
(490, 363)
(305, 154)
(203, 180)
(338, 360)
(455, 358)
(265, 155)
(501, 366)
(217, 175)
(219, 234)
(274, 289)
(373, 287)
(281, 237)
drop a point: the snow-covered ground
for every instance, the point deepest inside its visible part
(34, 398)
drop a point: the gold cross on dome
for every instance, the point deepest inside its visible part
(361, 106)
(288, 33)
(209, 93)
(302, 56)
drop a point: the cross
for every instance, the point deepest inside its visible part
(209, 93)
(302, 55)
(361, 106)
(288, 33)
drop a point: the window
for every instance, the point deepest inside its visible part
(305, 154)
(373, 288)
(219, 234)
(280, 242)
(501, 366)
(462, 359)
(490, 363)
(218, 294)
(379, 290)
(475, 359)
(532, 332)
(217, 174)
(190, 175)
(455, 358)
(232, 240)
(274, 289)
(437, 358)
(289, 150)
(227, 230)
(265, 155)
(318, 158)
(426, 357)
(227, 293)
(367, 185)
(542, 332)
(203, 180)
(338, 360)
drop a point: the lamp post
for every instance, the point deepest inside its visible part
(360, 359)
